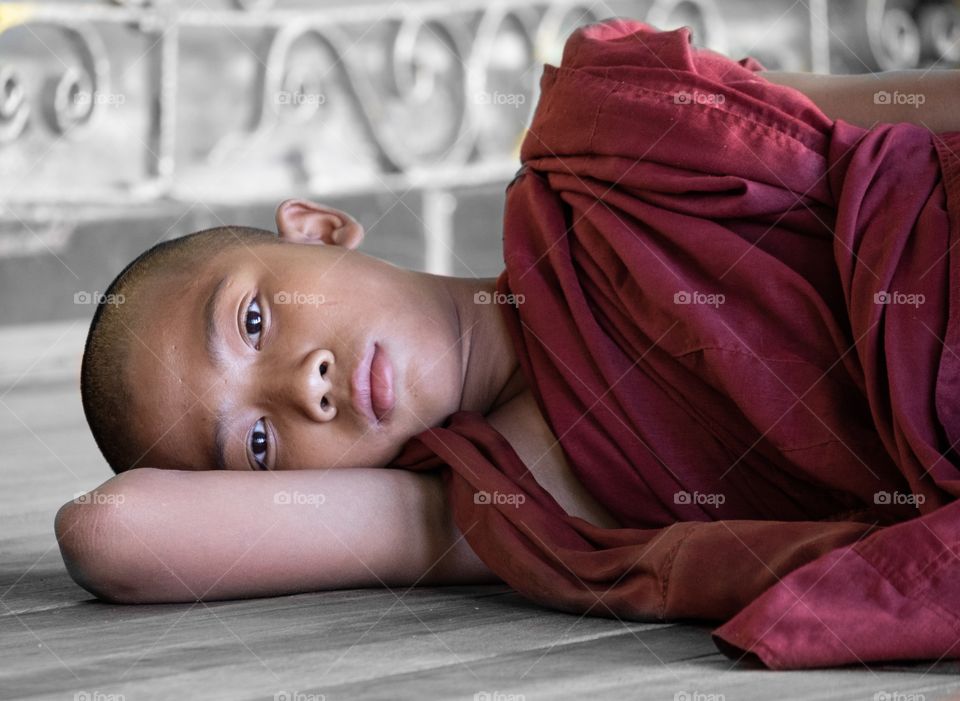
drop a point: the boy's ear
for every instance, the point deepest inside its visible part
(302, 221)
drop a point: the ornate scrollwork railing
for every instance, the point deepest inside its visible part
(243, 100)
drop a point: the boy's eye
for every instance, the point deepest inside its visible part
(253, 321)
(258, 444)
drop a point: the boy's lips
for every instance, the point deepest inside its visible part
(381, 383)
(372, 383)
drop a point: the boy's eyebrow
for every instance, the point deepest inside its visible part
(220, 442)
(214, 344)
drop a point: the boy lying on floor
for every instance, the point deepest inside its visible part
(716, 379)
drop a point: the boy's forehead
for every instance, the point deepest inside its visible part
(166, 345)
(172, 389)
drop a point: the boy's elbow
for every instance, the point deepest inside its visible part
(95, 550)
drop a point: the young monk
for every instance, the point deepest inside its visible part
(716, 379)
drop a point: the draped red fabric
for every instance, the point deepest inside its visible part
(739, 317)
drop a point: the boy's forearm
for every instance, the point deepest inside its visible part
(169, 535)
(927, 98)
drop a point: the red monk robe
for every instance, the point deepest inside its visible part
(778, 447)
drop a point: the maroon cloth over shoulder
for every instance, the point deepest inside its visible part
(740, 319)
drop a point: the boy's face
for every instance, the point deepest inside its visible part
(250, 358)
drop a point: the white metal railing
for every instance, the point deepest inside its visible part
(109, 106)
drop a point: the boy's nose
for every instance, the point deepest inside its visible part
(310, 387)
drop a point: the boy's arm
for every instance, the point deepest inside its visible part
(927, 98)
(152, 535)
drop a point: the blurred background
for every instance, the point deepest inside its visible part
(125, 123)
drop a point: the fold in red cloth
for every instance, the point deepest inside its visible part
(739, 317)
